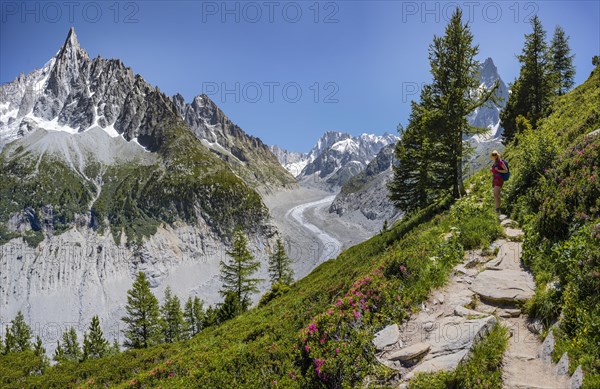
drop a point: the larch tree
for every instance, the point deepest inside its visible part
(171, 318)
(280, 265)
(94, 343)
(143, 319)
(563, 70)
(237, 273)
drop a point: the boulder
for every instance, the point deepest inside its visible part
(535, 326)
(504, 286)
(451, 343)
(386, 337)
(410, 353)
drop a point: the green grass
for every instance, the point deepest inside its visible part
(554, 193)
(267, 344)
(483, 369)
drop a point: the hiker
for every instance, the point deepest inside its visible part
(498, 168)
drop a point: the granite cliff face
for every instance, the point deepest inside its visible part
(104, 176)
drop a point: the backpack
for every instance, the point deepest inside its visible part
(505, 176)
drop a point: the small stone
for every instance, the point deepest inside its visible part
(386, 337)
(429, 326)
(576, 379)
(411, 352)
(535, 326)
(562, 368)
(440, 298)
(510, 312)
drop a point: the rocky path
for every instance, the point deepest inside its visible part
(488, 287)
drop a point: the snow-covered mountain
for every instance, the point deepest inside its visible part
(364, 198)
(103, 176)
(338, 156)
(292, 161)
(488, 116)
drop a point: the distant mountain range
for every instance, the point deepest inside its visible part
(334, 159)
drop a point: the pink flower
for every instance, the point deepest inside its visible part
(356, 314)
(337, 350)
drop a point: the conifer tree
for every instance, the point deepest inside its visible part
(194, 316)
(38, 347)
(70, 346)
(211, 317)
(94, 343)
(430, 152)
(142, 320)
(172, 323)
(230, 307)
(114, 348)
(280, 266)
(1, 345)
(532, 93)
(562, 62)
(455, 73)
(59, 352)
(237, 273)
(18, 335)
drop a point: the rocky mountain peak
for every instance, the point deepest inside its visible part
(488, 72)
(71, 48)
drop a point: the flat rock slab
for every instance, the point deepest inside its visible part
(508, 257)
(504, 286)
(386, 337)
(409, 353)
(513, 232)
(451, 342)
(465, 312)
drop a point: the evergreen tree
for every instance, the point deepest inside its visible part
(94, 344)
(194, 316)
(114, 348)
(237, 273)
(71, 345)
(385, 227)
(1, 345)
(430, 152)
(230, 308)
(172, 322)
(38, 347)
(280, 266)
(211, 317)
(595, 60)
(562, 62)
(532, 93)
(408, 189)
(455, 75)
(59, 353)
(142, 320)
(18, 335)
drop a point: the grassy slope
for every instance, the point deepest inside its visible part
(267, 344)
(555, 193)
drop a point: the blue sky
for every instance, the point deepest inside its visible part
(286, 71)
